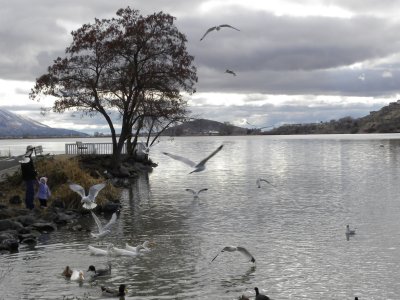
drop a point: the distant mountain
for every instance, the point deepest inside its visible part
(206, 127)
(385, 120)
(13, 125)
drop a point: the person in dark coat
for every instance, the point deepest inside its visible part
(29, 175)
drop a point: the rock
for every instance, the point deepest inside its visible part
(63, 218)
(9, 241)
(29, 241)
(10, 224)
(24, 230)
(10, 245)
(26, 220)
(15, 200)
(57, 203)
(3, 206)
(7, 235)
(29, 238)
(77, 227)
(44, 226)
(6, 214)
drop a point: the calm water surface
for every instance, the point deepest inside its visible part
(295, 230)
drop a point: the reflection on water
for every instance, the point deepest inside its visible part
(295, 230)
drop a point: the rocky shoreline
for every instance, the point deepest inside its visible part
(23, 226)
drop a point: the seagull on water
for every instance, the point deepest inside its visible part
(350, 231)
(103, 230)
(196, 194)
(125, 252)
(88, 200)
(98, 251)
(143, 247)
(217, 28)
(239, 249)
(230, 72)
(197, 167)
(258, 182)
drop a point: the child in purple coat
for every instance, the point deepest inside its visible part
(43, 192)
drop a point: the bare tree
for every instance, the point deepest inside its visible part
(121, 64)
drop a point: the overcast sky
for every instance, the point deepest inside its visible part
(321, 60)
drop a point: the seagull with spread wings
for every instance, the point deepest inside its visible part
(258, 182)
(239, 249)
(103, 230)
(217, 28)
(197, 167)
(196, 194)
(230, 72)
(89, 199)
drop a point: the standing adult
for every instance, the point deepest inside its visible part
(29, 176)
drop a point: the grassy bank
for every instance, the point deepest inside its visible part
(61, 170)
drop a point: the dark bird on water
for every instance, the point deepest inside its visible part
(99, 272)
(260, 296)
(217, 28)
(114, 293)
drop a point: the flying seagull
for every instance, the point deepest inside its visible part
(258, 182)
(103, 230)
(230, 72)
(217, 28)
(196, 194)
(197, 167)
(240, 249)
(88, 200)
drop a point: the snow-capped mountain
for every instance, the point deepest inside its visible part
(13, 125)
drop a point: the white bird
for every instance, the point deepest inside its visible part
(98, 251)
(146, 149)
(196, 194)
(143, 247)
(217, 28)
(230, 72)
(124, 252)
(88, 200)
(197, 167)
(77, 275)
(103, 230)
(258, 182)
(25, 160)
(239, 249)
(350, 231)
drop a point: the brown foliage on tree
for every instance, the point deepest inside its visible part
(133, 64)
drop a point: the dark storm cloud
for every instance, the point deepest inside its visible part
(295, 54)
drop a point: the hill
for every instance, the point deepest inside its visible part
(206, 127)
(385, 120)
(16, 126)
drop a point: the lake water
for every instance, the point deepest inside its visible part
(295, 230)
